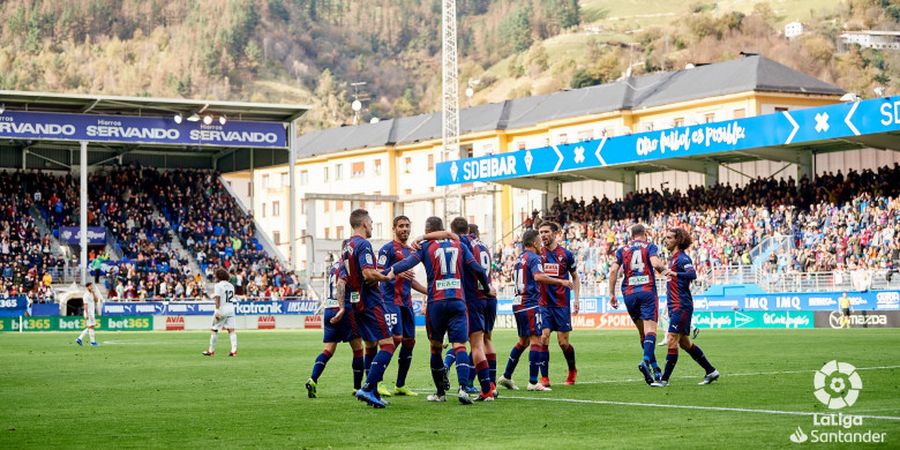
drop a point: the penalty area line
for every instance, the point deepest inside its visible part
(692, 407)
(745, 374)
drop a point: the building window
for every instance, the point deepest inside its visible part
(276, 209)
(431, 162)
(407, 164)
(407, 191)
(362, 205)
(326, 174)
(678, 122)
(339, 205)
(563, 138)
(304, 177)
(264, 209)
(585, 135)
(326, 202)
(378, 232)
(276, 236)
(285, 181)
(327, 233)
(520, 145)
(740, 113)
(358, 169)
(377, 167)
(265, 181)
(779, 109)
(709, 117)
(338, 172)
(339, 232)
(250, 189)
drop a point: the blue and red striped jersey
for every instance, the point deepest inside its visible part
(678, 289)
(635, 261)
(445, 262)
(334, 274)
(483, 256)
(358, 255)
(558, 263)
(528, 293)
(399, 290)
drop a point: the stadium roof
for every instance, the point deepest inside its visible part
(750, 73)
(138, 106)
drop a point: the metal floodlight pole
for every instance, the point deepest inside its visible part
(292, 188)
(450, 92)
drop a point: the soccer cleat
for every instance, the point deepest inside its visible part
(370, 398)
(660, 383)
(507, 383)
(484, 398)
(445, 381)
(642, 368)
(208, 353)
(710, 377)
(311, 388)
(545, 381)
(404, 391)
(570, 379)
(695, 333)
(79, 342)
(471, 390)
(657, 374)
(383, 391)
(538, 387)
(436, 397)
(232, 353)
(463, 396)
(95, 344)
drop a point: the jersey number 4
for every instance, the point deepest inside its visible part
(637, 262)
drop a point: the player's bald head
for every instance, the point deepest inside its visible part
(434, 223)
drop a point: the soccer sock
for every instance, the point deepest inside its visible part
(484, 376)
(233, 338)
(513, 360)
(437, 370)
(370, 355)
(379, 365)
(698, 356)
(83, 333)
(492, 365)
(650, 350)
(450, 358)
(534, 363)
(545, 361)
(471, 372)
(462, 366)
(671, 360)
(212, 341)
(91, 334)
(358, 369)
(319, 366)
(404, 361)
(569, 353)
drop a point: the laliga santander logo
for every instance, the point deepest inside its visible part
(837, 385)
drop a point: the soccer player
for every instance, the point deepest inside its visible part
(681, 306)
(91, 302)
(483, 256)
(445, 262)
(338, 326)
(398, 302)
(475, 305)
(844, 304)
(364, 298)
(638, 259)
(558, 263)
(224, 315)
(528, 312)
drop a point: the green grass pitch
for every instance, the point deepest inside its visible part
(145, 389)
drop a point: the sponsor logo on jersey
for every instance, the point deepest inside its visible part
(443, 285)
(638, 280)
(551, 269)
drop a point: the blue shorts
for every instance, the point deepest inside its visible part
(530, 322)
(643, 306)
(447, 317)
(680, 320)
(401, 320)
(558, 319)
(372, 324)
(343, 331)
(490, 314)
(475, 310)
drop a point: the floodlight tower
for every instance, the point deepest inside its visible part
(450, 98)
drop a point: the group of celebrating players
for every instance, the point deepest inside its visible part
(369, 305)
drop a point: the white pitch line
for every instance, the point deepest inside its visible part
(746, 374)
(700, 408)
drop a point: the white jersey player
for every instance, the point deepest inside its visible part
(224, 315)
(91, 303)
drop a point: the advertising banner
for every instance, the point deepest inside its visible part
(139, 130)
(858, 319)
(72, 235)
(76, 323)
(754, 319)
(297, 307)
(13, 306)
